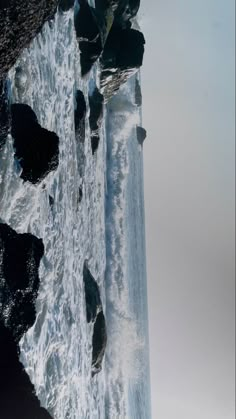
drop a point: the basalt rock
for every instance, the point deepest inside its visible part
(92, 295)
(19, 279)
(20, 22)
(36, 148)
(89, 36)
(65, 5)
(4, 114)
(95, 117)
(18, 399)
(79, 116)
(141, 134)
(121, 58)
(99, 343)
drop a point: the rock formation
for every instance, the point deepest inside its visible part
(92, 295)
(141, 134)
(20, 22)
(99, 342)
(95, 117)
(79, 116)
(89, 36)
(36, 148)
(121, 57)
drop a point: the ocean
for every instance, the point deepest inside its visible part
(106, 227)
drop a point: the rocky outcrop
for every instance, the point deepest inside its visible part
(138, 93)
(4, 114)
(121, 57)
(141, 134)
(20, 22)
(92, 295)
(95, 314)
(79, 116)
(17, 394)
(99, 343)
(95, 117)
(19, 279)
(89, 36)
(19, 283)
(65, 5)
(36, 148)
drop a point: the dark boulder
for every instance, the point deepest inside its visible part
(19, 279)
(89, 36)
(95, 117)
(141, 134)
(17, 394)
(79, 116)
(92, 295)
(65, 5)
(36, 148)
(121, 57)
(125, 11)
(138, 93)
(99, 342)
(4, 113)
(20, 22)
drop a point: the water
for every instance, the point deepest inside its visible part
(106, 227)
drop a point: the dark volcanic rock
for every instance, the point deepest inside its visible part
(88, 35)
(79, 116)
(20, 22)
(92, 295)
(141, 134)
(95, 117)
(138, 93)
(19, 280)
(4, 113)
(65, 5)
(17, 394)
(126, 10)
(36, 148)
(121, 57)
(99, 342)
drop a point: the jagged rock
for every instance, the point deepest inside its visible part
(89, 36)
(17, 394)
(4, 114)
(19, 280)
(138, 93)
(121, 57)
(36, 148)
(92, 295)
(125, 11)
(65, 5)
(95, 117)
(99, 343)
(141, 134)
(20, 22)
(79, 116)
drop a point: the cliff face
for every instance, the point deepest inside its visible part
(20, 21)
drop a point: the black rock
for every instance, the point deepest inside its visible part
(92, 295)
(99, 342)
(65, 5)
(88, 35)
(17, 394)
(36, 148)
(4, 113)
(138, 93)
(95, 117)
(79, 116)
(20, 22)
(19, 279)
(141, 134)
(51, 200)
(125, 11)
(121, 57)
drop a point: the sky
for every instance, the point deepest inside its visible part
(188, 86)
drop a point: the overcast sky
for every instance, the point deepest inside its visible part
(188, 111)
